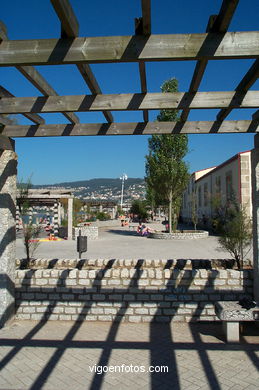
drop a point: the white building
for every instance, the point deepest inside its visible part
(232, 177)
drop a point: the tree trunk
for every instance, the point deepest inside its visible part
(170, 214)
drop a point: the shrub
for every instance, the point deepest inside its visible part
(236, 235)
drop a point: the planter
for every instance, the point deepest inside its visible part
(184, 235)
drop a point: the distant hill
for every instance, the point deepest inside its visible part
(103, 188)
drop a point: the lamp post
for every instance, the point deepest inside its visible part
(122, 178)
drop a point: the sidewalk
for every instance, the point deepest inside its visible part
(61, 355)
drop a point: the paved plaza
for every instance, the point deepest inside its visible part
(118, 355)
(69, 355)
(121, 242)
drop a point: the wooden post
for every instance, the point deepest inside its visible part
(59, 213)
(55, 209)
(70, 219)
(8, 171)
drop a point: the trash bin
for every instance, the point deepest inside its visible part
(81, 244)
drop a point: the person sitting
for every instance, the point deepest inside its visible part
(143, 230)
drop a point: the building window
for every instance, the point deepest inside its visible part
(229, 185)
(199, 196)
(218, 185)
(205, 191)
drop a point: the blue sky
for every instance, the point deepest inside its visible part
(52, 160)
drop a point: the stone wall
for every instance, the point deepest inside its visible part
(128, 290)
(185, 235)
(90, 231)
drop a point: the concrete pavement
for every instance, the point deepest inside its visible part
(76, 355)
(70, 355)
(120, 242)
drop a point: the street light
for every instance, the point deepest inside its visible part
(123, 178)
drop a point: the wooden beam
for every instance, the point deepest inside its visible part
(70, 29)
(5, 120)
(129, 102)
(231, 45)
(255, 116)
(36, 78)
(69, 23)
(3, 31)
(225, 15)
(143, 82)
(217, 23)
(143, 27)
(33, 117)
(146, 17)
(138, 128)
(248, 80)
(44, 87)
(93, 85)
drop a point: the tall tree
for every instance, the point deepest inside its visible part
(166, 171)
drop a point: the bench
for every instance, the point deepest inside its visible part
(231, 313)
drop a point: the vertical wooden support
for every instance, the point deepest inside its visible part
(55, 209)
(48, 214)
(113, 213)
(255, 197)
(59, 213)
(30, 214)
(70, 219)
(8, 171)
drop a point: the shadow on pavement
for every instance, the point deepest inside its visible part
(163, 345)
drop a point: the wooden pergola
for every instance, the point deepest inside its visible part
(142, 47)
(51, 199)
(215, 44)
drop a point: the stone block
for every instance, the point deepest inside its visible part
(42, 309)
(115, 297)
(110, 310)
(98, 297)
(124, 273)
(90, 318)
(20, 316)
(65, 317)
(29, 310)
(41, 282)
(54, 297)
(233, 282)
(70, 310)
(155, 311)
(156, 282)
(105, 318)
(200, 282)
(141, 311)
(144, 282)
(147, 318)
(96, 310)
(71, 282)
(129, 297)
(135, 319)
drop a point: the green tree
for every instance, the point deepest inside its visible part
(139, 207)
(236, 235)
(166, 172)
